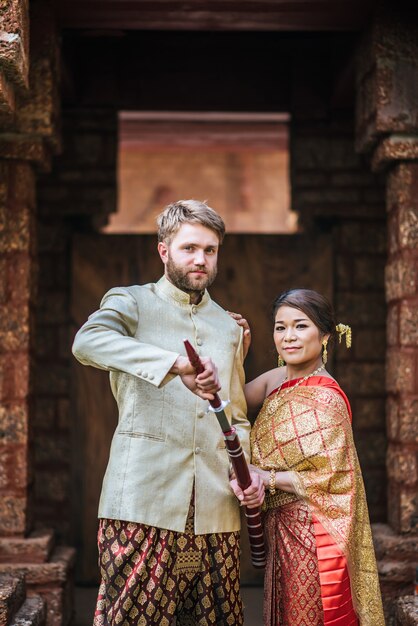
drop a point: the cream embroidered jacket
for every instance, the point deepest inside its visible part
(165, 439)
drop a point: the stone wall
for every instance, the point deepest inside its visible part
(334, 191)
(79, 191)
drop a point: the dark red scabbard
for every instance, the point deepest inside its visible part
(239, 464)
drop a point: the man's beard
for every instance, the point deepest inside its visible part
(182, 278)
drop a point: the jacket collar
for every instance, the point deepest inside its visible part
(177, 294)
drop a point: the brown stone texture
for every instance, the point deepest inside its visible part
(38, 113)
(387, 74)
(52, 580)
(14, 43)
(402, 355)
(333, 188)
(396, 564)
(406, 611)
(12, 595)
(17, 292)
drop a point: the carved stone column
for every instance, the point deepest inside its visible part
(387, 130)
(28, 137)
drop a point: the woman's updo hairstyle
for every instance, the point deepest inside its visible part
(313, 304)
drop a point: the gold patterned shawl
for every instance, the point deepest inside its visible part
(308, 432)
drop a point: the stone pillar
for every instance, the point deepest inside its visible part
(28, 137)
(387, 130)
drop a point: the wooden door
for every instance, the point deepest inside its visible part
(253, 269)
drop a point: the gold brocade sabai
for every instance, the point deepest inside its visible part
(307, 431)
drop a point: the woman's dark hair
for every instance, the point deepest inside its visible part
(313, 304)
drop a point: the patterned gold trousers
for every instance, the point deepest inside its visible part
(156, 576)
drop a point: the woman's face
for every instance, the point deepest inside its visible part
(296, 337)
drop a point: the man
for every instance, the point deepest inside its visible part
(169, 519)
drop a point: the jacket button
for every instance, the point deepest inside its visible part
(198, 450)
(144, 374)
(194, 309)
(139, 372)
(201, 414)
(151, 376)
(199, 342)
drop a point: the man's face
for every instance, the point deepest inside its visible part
(191, 257)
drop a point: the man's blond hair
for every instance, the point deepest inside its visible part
(188, 212)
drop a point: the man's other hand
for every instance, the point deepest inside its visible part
(253, 496)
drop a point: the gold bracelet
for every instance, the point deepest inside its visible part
(272, 482)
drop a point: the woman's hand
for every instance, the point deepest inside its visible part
(241, 321)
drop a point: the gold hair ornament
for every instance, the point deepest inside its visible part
(344, 329)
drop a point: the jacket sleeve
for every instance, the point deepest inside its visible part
(238, 403)
(107, 341)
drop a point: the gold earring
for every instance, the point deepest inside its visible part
(280, 361)
(324, 352)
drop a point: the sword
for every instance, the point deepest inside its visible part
(239, 463)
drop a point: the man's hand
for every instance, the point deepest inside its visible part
(241, 321)
(253, 496)
(206, 384)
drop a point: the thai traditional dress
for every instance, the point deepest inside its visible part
(321, 566)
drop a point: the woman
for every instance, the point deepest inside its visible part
(321, 567)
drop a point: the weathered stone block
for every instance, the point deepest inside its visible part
(31, 613)
(14, 423)
(400, 371)
(401, 277)
(408, 323)
(392, 420)
(402, 465)
(20, 277)
(36, 548)
(391, 546)
(392, 325)
(403, 510)
(12, 596)
(15, 471)
(14, 45)
(406, 611)
(51, 580)
(15, 231)
(14, 327)
(408, 419)
(22, 186)
(395, 148)
(13, 515)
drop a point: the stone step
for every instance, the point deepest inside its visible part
(31, 613)
(36, 548)
(394, 547)
(12, 596)
(52, 580)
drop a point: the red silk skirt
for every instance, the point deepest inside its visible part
(306, 580)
